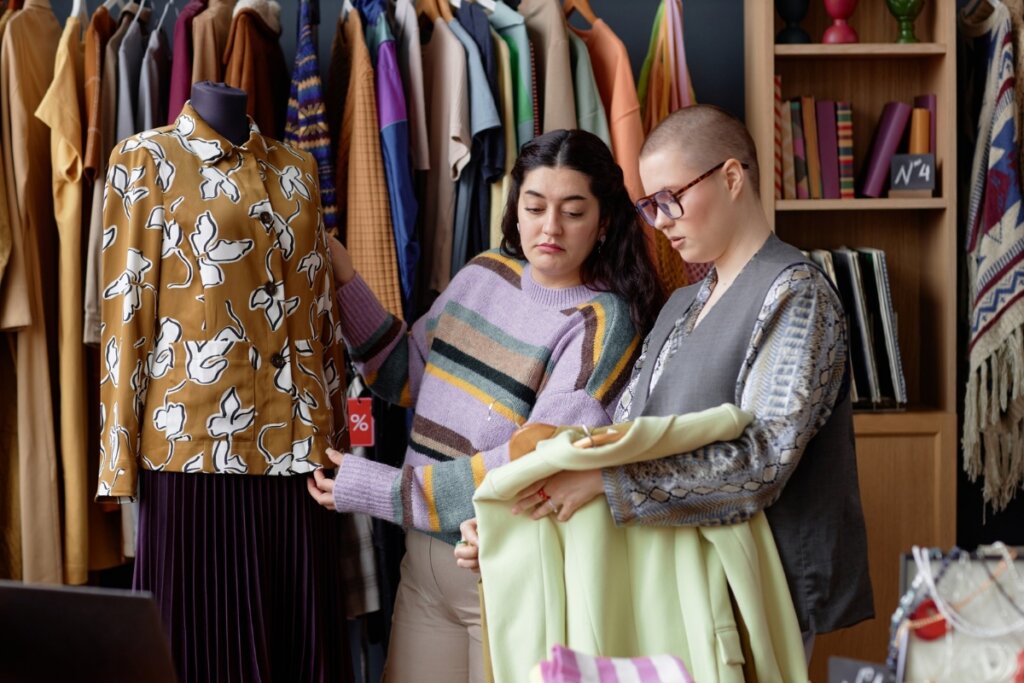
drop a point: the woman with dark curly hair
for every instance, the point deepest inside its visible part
(544, 329)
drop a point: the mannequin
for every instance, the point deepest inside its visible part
(223, 107)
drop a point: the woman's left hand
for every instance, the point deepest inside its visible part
(564, 494)
(320, 486)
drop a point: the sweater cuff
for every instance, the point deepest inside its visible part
(361, 312)
(365, 486)
(619, 503)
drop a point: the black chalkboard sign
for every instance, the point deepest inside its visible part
(843, 670)
(912, 172)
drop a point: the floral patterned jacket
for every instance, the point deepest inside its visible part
(220, 340)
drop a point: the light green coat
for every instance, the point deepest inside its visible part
(696, 593)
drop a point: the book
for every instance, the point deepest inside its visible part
(844, 135)
(886, 336)
(828, 149)
(778, 136)
(887, 138)
(851, 289)
(799, 151)
(929, 102)
(788, 174)
(919, 131)
(811, 146)
(823, 259)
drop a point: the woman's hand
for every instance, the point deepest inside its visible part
(344, 271)
(563, 494)
(467, 552)
(320, 486)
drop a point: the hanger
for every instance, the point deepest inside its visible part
(581, 6)
(78, 9)
(111, 4)
(428, 7)
(163, 14)
(138, 11)
(346, 7)
(456, 3)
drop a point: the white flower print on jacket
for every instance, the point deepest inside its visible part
(219, 336)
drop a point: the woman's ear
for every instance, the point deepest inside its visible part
(735, 178)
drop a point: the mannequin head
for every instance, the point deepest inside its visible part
(223, 108)
(569, 215)
(706, 159)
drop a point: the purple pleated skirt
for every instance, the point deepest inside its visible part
(245, 571)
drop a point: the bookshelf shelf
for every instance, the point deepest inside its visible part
(907, 460)
(861, 51)
(933, 203)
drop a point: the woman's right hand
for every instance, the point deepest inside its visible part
(467, 552)
(344, 271)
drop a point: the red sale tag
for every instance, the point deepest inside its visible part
(360, 421)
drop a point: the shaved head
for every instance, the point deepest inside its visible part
(704, 135)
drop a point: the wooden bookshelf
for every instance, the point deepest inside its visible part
(907, 460)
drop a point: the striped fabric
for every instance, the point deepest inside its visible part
(495, 351)
(569, 666)
(306, 125)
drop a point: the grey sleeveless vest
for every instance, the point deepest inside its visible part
(817, 522)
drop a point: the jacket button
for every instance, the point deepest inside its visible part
(278, 361)
(270, 287)
(266, 219)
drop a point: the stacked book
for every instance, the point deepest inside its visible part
(814, 142)
(862, 278)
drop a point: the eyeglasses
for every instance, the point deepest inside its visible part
(668, 201)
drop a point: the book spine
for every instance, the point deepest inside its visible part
(799, 152)
(788, 174)
(919, 132)
(930, 103)
(887, 138)
(844, 135)
(828, 148)
(811, 147)
(778, 136)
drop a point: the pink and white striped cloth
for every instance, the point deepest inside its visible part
(568, 666)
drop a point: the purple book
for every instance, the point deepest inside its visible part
(803, 188)
(828, 149)
(890, 128)
(928, 102)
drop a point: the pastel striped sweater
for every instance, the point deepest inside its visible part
(495, 351)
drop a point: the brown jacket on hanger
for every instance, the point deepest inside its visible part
(255, 63)
(210, 30)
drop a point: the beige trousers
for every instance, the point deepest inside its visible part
(436, 635)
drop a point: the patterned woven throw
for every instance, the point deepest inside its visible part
(993, 437)
(569, 666)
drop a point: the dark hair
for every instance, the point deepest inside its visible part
(621, 264)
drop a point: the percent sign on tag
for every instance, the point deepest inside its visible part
(360, 421)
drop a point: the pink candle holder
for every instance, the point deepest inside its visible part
(840, 31)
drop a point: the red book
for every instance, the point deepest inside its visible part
(890, 129)
(828, 149)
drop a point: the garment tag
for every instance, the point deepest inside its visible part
(360, 422)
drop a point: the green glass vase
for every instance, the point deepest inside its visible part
(905, 11)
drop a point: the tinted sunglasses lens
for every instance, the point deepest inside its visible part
(648, 210)
(669, 204)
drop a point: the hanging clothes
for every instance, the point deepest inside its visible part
(511, 26)
(506, 100)
(368, 228)
(410, 61)
(546, 26)
(181, 63)
(590, 114)
(614, 75)
(394, 141)
(62, 111)
(154, 81)
(107, 120)
(210, 30)
(306, 126)
(27, 61)
(472, 201)
(6, 234)
(101, 28)
(255, 63)
(129, 72)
